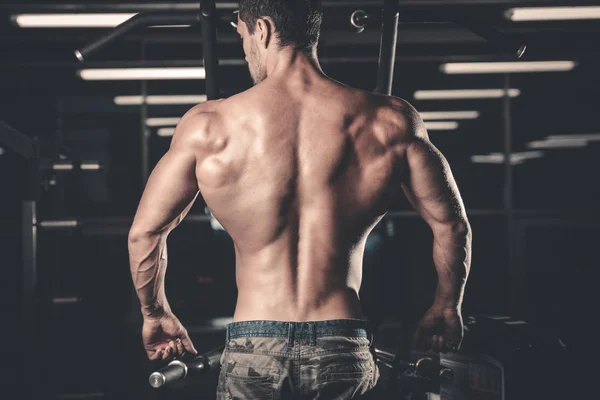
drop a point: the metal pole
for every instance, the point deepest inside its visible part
(387, 50)
(31, 371)
(209, 18)
(145, 132)
(514, 292)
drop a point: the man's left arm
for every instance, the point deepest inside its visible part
(169, 195)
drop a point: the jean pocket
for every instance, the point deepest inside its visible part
(347, 384)
(248, 387)
(356, 375)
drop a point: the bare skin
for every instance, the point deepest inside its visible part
(298, 170)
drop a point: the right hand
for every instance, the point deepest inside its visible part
(165, 337)
(440, 330)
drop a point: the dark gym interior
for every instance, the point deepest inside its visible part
(523, 145)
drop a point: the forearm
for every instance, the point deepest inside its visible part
(148, 265)
(452, 259)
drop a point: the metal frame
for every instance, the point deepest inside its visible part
(387, 52)
(30, 150)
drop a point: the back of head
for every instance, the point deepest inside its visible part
(297, 22)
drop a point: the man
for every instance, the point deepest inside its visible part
(298, 169)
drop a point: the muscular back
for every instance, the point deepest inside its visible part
(299, 174)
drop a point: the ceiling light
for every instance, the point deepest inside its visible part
(498, 158)
(441, 126)
(590, 137)
(162, 121)
(112, 74)
(160, 100)
(465, 94)
(557, 144)
(166, 132)
(553, 13)
(70, 20)
(437, 115)
(507, 67)
(170, 26)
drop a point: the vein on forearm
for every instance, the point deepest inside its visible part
(148, 264)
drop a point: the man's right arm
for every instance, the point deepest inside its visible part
(431, 189)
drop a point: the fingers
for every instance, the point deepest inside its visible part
(167, 353)
(187, 344)
(154, 355)
(436, 343)
(173, 349)
(180, 350)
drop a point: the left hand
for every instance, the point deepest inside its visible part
(165, 337)
(440, 330)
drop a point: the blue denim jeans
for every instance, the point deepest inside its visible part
(325, 360)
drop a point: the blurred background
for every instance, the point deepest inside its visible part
(535, 214)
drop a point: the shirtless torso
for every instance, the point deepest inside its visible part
(299, 170)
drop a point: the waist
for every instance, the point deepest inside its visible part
(281, 304)
(299, 330)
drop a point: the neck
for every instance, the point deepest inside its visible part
(288, 59)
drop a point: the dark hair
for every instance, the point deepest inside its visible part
(297, 22)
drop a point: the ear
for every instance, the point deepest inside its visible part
(266, 30)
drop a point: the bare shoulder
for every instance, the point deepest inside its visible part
(399, 120)
(198, 128)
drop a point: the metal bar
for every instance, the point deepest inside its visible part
(208, 15)
(516, 297)
(387, 50)
(108, 7)
(495, 37)
(139, 20)
(144, 129)
(518, 271)
(239, 62)
(180, 6)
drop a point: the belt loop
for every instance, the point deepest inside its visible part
(291, 334)
(312, 333)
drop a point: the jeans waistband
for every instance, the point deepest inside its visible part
(299, 330)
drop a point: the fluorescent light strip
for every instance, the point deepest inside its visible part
(170, 26)
(553, 13)
(160, 100)
(221, 322)
(63, 167)
(498, 158)
(91, 167)
(115, 74)
(507, 67)
(162, 121)
(441, 126)
(557, 144)
(590, 137)
(70, 20)
(465, 94)
(437, 115)
(166, 132)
